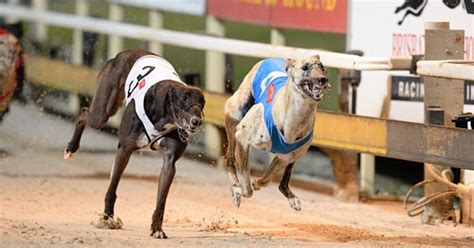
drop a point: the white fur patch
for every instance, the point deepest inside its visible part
(142, 141)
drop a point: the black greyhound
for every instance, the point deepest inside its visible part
(173, 109)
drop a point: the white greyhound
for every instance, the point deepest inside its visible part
(274, 110)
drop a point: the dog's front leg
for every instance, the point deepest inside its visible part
(173, 148)
(107, 220)
(242, 159)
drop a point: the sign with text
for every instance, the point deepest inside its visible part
(397, 28)
(469, 92)
(314, 15)
(407, 96)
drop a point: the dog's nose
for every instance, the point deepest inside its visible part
(195, 122)
(323, 81)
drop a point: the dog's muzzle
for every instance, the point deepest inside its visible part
(314, 88)
(188, 124)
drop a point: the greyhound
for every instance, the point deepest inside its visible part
(274, 110)
(161, 112)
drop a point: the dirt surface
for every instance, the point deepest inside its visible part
(45, 201)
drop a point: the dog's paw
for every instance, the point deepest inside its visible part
(236, 195)
(159, 235)
(295, 203)
(67, 154)
(108, 222)
(256, 185)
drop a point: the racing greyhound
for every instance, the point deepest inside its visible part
(161, 112)
(274, 110)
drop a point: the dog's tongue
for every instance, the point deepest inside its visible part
(315, 90)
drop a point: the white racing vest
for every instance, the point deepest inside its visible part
(146, 72)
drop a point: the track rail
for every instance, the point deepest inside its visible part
(388, 138)
(454, 69)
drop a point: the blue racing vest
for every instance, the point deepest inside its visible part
(269, 79)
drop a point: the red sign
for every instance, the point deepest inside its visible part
(315, 15)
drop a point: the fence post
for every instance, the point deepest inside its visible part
(215, 82)
(81, 9)
(442, 43)
(155, 19)
(344, 163)
(277, 38)
(115, 45)
(40, 30)
(367, 173)
(366, 161)
(115, 42)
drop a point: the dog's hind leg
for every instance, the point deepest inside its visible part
(73, 144)
(173, 148)
(285, 188)
(107, 220)
(230, 127)
(106, 102)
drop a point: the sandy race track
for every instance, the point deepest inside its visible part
(46, 201)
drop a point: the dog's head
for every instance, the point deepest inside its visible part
(187, 105)
(308, 76)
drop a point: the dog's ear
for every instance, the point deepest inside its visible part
(289, 63)
(316, 56)
(171, 93)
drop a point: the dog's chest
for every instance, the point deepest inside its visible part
(145, 143)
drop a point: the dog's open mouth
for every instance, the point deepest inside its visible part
(314, 88)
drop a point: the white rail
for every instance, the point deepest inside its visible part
(230, 46)
(463, 70)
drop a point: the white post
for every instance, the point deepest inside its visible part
(10, 19)
(39, 30)
(115, 42)
(82, 9)
(215, 74)
(155, 19)
(277, 38)
(367, 173)
(367, 161)
(115, 45)
(441, 42)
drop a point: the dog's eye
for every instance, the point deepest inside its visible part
(184, 97)
(305, 67)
